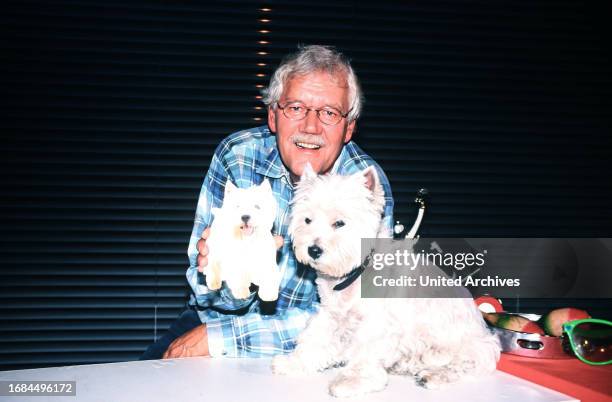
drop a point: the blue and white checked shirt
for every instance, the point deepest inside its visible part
(247, 158)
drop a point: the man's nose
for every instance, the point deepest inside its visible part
(312, 124)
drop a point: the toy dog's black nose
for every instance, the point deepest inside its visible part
(245, 218)
(315, 251)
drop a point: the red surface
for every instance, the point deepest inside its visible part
(569, 376)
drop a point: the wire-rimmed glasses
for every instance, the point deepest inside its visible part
(327, 115)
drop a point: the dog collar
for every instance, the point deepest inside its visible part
(352, 276)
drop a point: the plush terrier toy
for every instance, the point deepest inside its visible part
(242, 248)
(437, 341)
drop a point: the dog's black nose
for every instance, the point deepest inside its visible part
(245, 218)
(315, 251)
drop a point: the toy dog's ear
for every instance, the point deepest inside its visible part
(265, 186)
(308, 173)
(229, 188)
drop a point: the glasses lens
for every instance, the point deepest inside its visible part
(295, 111)
(593, 341)
(329, 116)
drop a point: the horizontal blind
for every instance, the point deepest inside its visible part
(115, 108)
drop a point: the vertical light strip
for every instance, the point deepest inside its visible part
(263, 53)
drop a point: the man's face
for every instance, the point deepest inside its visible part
(296, 138)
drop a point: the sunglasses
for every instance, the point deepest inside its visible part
(590, 340)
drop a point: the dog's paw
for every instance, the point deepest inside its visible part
(288, 365)
(350, 383)
(343, 387)
(268, 293)
(213, 282)
(213, 279)
(436, 379)
(241, 293)
(346, 387)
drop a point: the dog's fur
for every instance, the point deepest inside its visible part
(242, 248)
(437, 341)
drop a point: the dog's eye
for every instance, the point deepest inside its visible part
(338, 224)
(307, 220)
(257, 206)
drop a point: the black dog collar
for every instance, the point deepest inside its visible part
(352, 276)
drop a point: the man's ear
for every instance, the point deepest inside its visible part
(229, 187)
(272, 118)
(350, 129)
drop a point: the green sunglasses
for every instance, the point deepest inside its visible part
(590, 340)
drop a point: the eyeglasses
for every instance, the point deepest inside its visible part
(590, 340)
(298, 111)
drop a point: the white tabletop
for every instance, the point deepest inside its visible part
(238, 380)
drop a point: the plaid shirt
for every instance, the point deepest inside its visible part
(236, 328)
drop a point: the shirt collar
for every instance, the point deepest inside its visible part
(340, 159)
(272, 165)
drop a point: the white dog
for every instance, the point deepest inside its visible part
(437, 341)
(242, 248)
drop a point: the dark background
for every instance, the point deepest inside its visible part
(113, 109)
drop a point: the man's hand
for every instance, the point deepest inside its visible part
(279, 241)
(191, 343)
(203, 248)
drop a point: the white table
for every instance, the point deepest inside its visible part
(238, 380)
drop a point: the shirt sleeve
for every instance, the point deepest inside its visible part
(256, 335)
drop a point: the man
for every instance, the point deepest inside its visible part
(313, 102)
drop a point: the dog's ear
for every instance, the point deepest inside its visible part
(265, 186)
(308, 173)
(371, 178)
(229, 188)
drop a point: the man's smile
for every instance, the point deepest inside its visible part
(307, 145)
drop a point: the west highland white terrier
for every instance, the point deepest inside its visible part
(242, 248)
(437, 341)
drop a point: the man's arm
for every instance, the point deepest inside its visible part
(250, 335)
(190, 344)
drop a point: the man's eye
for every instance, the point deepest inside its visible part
(338, 224)
(296, 109)
(330, 113)
(307, 220)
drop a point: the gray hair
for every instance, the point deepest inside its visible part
(309, 59)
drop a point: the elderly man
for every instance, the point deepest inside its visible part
(313, 102)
